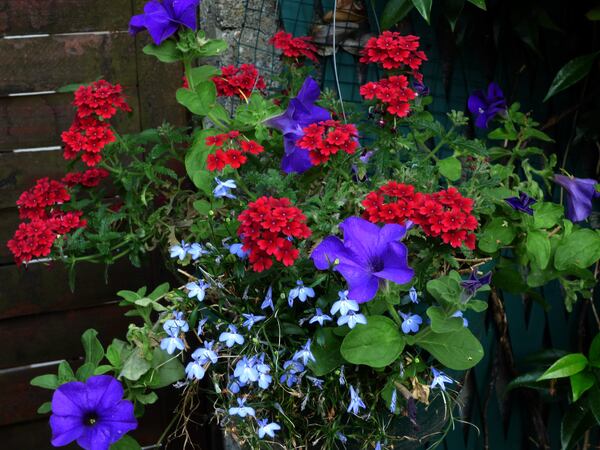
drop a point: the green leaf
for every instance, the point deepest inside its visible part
(159, 291)
(326, 353)
(376, 344)
(424, 8)
(202, 206)
(459, 350)
(581, 382)
(565, 367)
(166, 52)
(446, 289)
(509, 280)
(199, 101)
(203, 73)
(45, 408)
(213, 47)
(195, 161)
(49, 381)
(170, 370)
(85, 371)
(65, 373)
(594, 353)
(580, 249)
(479, 4)
(450, 168)
(593, 400)
(105, 368)
(135, 366)
(115, 351)
(452, 10)
(546, 214)
(533, 133)
(593, 14)
(538, 248)
(527, 380)
(441, 322)
(126, 443)
(394, 11)
(94, 352)
(147, 399)
(576, 421)
(495, 235)
(571, 73)
(477, 305)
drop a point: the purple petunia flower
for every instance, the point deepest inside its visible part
(300, 113)
(581, 192)
(93, 413)
(475, 282)
(485, 106)
(521, 203)
(420, 89)
(367, 255)
(163, 19)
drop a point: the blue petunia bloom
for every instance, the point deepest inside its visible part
(245, 370)
(412, 294)
(344, 304)
(231, 337)
(475, 282)
(460, 314)
(300, 113)
(368, 255)
(163, 19)
(267, 429)
(238, 250)
(251, 319)
(268, 301)
(196, 250)
(356, 403)
(521, 203)
(241, 409)
(319, 317)
(410, 323)
(292, 372)
(304, 354)
(224, 188)
(205, 354)
(580, 193)
(300, 292)
(179, 250)
(197, 289)
(485, 106)
(439, 378)
(352, 319)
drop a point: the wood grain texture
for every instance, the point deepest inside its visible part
(48, 63)
(9, 220)
(18, 17)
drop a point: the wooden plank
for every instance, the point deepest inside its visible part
(47, 63)
(18, 17)
(52, 336)
(9, 220)
(39, 120)
(41, 288)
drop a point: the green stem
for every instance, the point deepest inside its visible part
(394, 314)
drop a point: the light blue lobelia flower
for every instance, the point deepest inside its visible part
(264, 377)
(356, 403)
(179, 250)
(238, 250)
(292, 372)
(352, 319)
(319, 317)
(245, 370)
(460, 314)
(343, 439)
(342, 378)
(344, 304)
(241, 409)
(196, 250)
(224, 188)
(412, 294)
(411, 322)
(304, 354)
(378, 446)
(394, 401)
(300, 292)
(197, 289)
(267, 429)
(195, 370)
(316, 382)
(231, 337)
(268, 301)
(171, 343)
(251, 319)
(439, 378)
(205, 354)
(201, 324)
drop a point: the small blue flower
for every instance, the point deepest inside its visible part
(412, 293)
(351, 319)
(231, 337)
(268, 301)
(197, 289)
(237, 250)
(196, 251)
(356, 402)
(251, 319)
(378, 446)
(201, 324)
(439, 378)
(205, 354)
(236, 386)
(179, 251)
(241, 410)
(300, 292)
(169, 344)
(411, 323)
(223, 188)
(317, 382)
(292, 372)
(319, 317)
(342, 377)
(394, 401)
(195, 370)
(245, 370)
(268, 429)
(343, 439)
(344, 304)
(304, 354)
(460, 314)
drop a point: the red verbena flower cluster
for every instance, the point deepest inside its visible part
(326, 138)
(392, 51)
(393, 92)
(294, 47)
(240, 81)
(232, 149)
(87, 178)
(90, 132)
(267, 228)
(35, 238)
(445, 214)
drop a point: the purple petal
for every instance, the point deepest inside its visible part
(362, 285)
(137, 24)
(97, 437)
(158, 22)
(494, 92)
(395, 264)
(361, 237)
(120, 418)
(389, 233)
(296, 159)
(580, 192)
(330, 249)
(65, 429)
(103, 391)
(70, 399)
(309, 92)
(477, 102)
(185, 12)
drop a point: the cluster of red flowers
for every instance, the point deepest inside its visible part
(326, 138)
(240, 81)
(90, 132)
(294, 47)
(88, 178)
(393, 92)
(392, 51)
(445, 214)
(234, 155)
(34, 239)
(267, 228)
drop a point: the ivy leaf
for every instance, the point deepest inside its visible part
(166, 52)
(394, 11)
(424, 8)
(376, 344)
(571, 73)
(459, 350)
(565, 367)
(450, 168)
